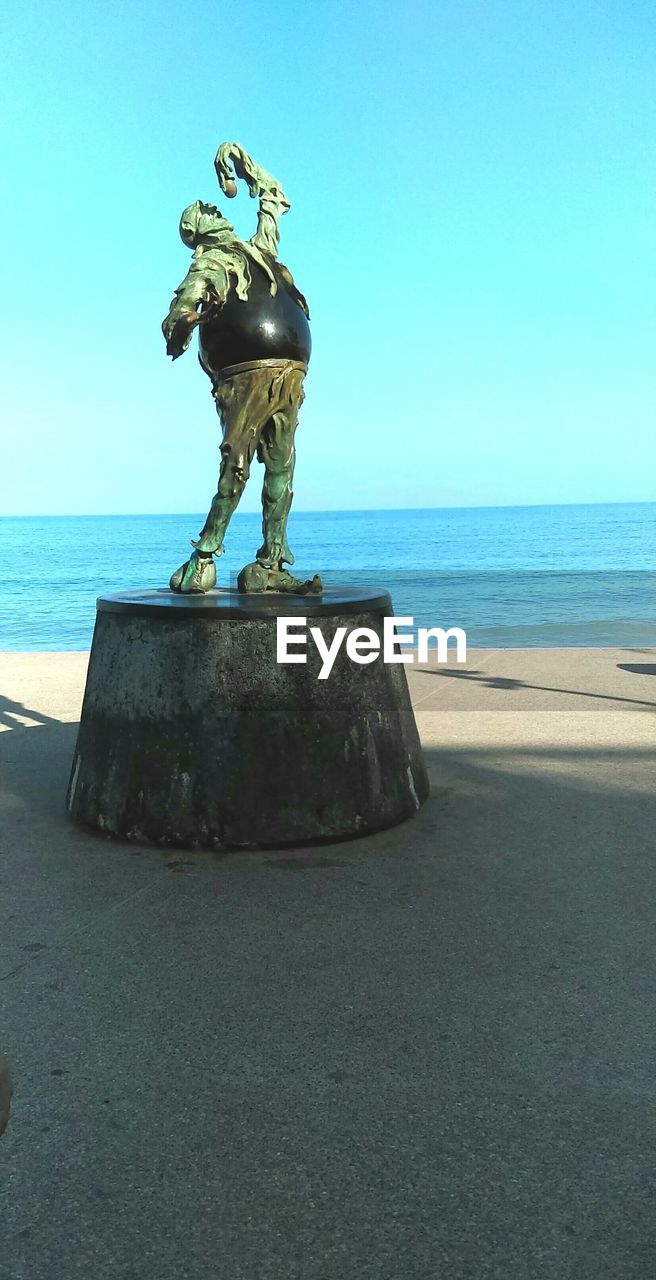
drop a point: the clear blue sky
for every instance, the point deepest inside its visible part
(473, 221)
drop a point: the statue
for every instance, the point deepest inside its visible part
(254, 345)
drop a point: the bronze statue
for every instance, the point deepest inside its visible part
(254, 344)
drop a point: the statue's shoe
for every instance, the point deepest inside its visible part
(198, 574)
(258, 577)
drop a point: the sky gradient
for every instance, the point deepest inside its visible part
(473, 214)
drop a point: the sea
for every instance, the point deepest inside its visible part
(570, 575)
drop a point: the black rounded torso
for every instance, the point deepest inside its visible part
(264, 327)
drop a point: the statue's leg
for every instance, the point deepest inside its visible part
(278, 454)
(277, 451)
(243, 410)
(242, 419)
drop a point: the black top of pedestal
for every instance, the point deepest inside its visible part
(227, 603)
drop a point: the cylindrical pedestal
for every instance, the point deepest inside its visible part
(193, 734)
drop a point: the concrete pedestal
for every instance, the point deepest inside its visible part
(192, 734)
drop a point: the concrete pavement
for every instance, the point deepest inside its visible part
(428, 1053)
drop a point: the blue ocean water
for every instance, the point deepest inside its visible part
(511, 576)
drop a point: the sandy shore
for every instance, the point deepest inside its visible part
(426, 1053)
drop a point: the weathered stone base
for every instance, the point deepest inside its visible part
(192, 734)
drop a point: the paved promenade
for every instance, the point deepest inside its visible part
(425, 1055)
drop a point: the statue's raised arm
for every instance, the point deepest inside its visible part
(232, 160)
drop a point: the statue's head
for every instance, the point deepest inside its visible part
(204, 224)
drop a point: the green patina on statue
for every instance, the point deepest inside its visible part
(254, 344)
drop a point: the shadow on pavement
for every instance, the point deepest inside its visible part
(10, 711)
(507, 682)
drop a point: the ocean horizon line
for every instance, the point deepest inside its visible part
(325, 511)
